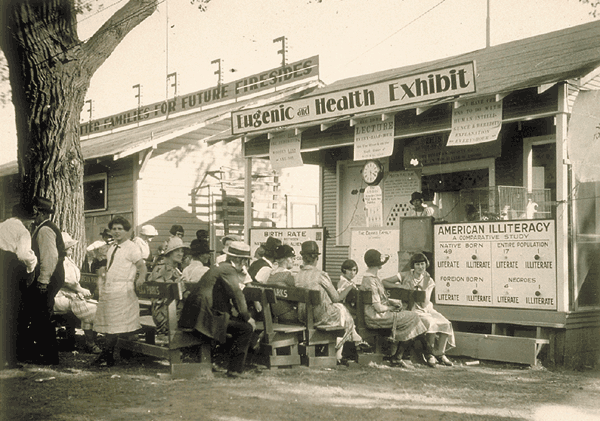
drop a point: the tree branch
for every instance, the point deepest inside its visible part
(101, 45)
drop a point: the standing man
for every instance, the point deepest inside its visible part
(209, 307)
(118, 310)
(38, 303)
(17, 263)
(260, 269)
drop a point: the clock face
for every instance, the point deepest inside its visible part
(372, 172)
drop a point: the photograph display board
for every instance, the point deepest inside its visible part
(385, 240)
(293, 237)
(496, 264)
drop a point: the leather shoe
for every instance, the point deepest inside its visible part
(398, 362)
(444, 360)
(431, 361)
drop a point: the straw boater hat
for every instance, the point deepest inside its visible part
(68, 240)
(173, 244)
(238, 249)
(149, 230)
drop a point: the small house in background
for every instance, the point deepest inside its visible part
(145, 163)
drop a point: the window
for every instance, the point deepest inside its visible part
(94, 192)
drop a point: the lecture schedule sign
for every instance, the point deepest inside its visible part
(496, 264)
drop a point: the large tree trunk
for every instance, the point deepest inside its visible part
(50, 73)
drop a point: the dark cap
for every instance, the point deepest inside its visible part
(106, 233)
(44, 205)
(201, 234)
(23, 211)
(199, 247)
(175, 229)
(271, 244)
(309, 247)
(284, 251)
(416, 196)
(373, 258)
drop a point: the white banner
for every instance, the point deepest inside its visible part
(373, 138)
(477, 121)
(284, 150)
(435, 84)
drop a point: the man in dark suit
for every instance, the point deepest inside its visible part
(37, 336)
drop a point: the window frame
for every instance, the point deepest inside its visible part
(92, 178)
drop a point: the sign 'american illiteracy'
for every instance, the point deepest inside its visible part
(416, 88)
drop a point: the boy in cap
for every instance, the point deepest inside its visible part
(260, 269)
(226, 240)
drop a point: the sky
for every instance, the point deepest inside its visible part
(351, 37)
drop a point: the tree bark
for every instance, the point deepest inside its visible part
(50, 71)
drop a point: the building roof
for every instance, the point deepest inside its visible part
(539, 61)
(213, 124)
(552, 57)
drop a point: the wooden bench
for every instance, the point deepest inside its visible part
(378, 337)
(318, 346)
(175, 339)
(279, 346)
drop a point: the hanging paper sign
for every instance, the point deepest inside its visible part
(284, 150)
(373, 197)
(584, 136)
(373, 138)
(477, 121)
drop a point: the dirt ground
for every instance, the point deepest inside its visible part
(138, 388)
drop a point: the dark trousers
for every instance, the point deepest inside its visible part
(13, 273)
(241, 333)
(37, 335)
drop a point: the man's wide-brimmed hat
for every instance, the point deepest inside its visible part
(238, 249)
(309, 247)
(149, 230)
(173, 244)
(271, 244)
(68, 240)
(200, 247)
(373, 258)
(43, 204)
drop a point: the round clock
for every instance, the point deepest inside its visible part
(372, 172)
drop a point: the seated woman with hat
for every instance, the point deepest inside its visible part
(331, 311)
(284, 311)
(440, 334)
(388, 313)
(167, 271)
